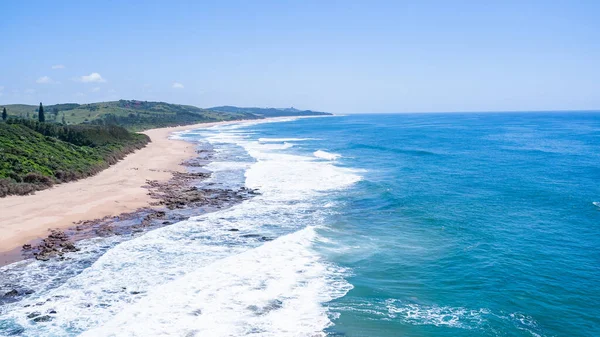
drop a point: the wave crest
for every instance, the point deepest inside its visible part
(326, 155)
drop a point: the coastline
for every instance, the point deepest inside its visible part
(119, 189)
(243, 215)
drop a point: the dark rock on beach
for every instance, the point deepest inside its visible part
(12, 293)
(56, 244)
(270, 306)
(257, 236)
(33, 314)
(250, 235)
(196, 312)
(104, 230)
(45, 318)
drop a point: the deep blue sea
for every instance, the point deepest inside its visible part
(377, 225)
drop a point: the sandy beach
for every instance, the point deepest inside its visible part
(113, 191)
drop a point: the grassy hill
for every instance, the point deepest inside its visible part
(34, 156)
(269, 112)
(131, 114)
(140, 115)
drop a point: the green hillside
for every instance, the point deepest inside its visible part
(131, 114)
(34, 155)
(269, 112)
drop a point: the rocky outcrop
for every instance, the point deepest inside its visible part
(56, 244)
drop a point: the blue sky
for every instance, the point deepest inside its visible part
(339, 56)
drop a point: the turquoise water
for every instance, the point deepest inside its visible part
(377, 225)
(466, 225)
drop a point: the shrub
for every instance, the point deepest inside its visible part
(36, 178)
(35, 155)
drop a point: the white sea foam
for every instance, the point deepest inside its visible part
(435, 315)
(596, 203)
(326, 155)
(279, 176)
(456, 317)
(273, 290)
(271, 146)
(238, 125)
(280, 140)
(286, 176)
(187, 134)
(197, 277)
(217, 166)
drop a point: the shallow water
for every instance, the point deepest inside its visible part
(366, 225)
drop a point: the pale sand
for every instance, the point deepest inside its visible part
(113, 191)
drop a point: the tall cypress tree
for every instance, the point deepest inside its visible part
(4, 114)
(41, 116)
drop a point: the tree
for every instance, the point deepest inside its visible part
(4, 114)
(41, 116)
(55, 112)
(63, 119)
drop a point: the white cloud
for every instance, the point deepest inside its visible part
(44, 80)
(91, 78)
(95, 89)
(58, 66)
(177, 85)
(29, 91)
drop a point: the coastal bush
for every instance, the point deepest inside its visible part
(38, 179)
(35, 155)
(81, 135)
(8, 187)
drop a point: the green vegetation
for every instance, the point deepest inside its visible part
(34, 155)
(131, 114)
(41, 116)
(269, 112)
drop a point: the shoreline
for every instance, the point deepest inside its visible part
(121, 188)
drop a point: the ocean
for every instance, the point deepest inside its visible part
(366, 225)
